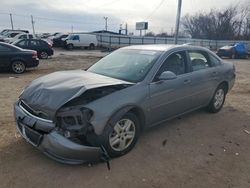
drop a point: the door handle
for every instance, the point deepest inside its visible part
(186, 81)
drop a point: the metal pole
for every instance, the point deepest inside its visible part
(177, 24)
(106, 23)
(126, 29)
(33, 25)
(11, 21)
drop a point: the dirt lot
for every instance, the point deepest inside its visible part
(200, 150)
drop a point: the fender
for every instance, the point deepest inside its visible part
(121, 112)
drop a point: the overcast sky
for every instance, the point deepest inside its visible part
(87, 15)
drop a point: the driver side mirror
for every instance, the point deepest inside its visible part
(167, 75)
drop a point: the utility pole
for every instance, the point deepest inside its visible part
(106, 23)
(11, 21)
(177, 24)
(72, 28)
(126, 29)
(33, 25)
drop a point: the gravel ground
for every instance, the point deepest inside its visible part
(196, 150)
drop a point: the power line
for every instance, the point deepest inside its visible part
(156, 8)
(57, 20)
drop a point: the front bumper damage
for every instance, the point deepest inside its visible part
(43, 134)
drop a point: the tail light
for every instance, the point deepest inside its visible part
(34, 55)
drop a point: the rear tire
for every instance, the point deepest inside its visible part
(44, 55)
(18, 67)
(120, 138)
(218, 99)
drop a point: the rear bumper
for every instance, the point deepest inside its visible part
(34, 62)
(44, 136)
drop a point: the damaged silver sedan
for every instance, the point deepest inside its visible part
(86, 116)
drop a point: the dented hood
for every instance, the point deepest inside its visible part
(48, 93)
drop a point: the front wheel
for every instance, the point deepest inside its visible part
(91, 46)
(70, 46)
(120, 138)
(218, 100)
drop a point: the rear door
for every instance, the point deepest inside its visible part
(204, 77)
(171, 97)
(34, 45)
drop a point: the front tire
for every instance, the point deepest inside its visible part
(70, 46)
(120, 138)
(91, 46)
(218, 99)
(18, 67)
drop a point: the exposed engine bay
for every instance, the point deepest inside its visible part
(73, 119)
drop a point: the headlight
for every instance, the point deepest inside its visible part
(70, 116)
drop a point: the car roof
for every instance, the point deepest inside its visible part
(164, 47)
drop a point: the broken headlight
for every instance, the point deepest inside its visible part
(73, 121)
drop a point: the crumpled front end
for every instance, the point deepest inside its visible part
(50, 114)
(52, 140)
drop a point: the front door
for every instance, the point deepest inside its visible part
(171, 97)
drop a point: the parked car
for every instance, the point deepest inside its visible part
(237, 50)
(58, 42)
(5, 31)
(43, 49)
(16, 59)
(9, 35)
(19, 36)
(81, 40)
(80, 116)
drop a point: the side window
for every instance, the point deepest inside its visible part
(175, 63)
(34, 43)
(22, 43)
(76, 37)
(199, 60)
(13, 35)
(215, 61)
(4, 49)
(23, 37)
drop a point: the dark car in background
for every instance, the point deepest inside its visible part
(44, 50)
(237, 50)
(58, 42)
(16, 59)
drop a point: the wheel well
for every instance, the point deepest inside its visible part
(91, 44)
(12, 61)
(225, 85)
(140, 115)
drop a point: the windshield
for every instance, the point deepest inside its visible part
(128, 65)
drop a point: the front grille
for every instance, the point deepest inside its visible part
(32, 136)
(32, 111)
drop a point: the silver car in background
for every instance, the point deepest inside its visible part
(85, 116)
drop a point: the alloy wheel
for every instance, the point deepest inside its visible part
(219, 98)
(122, 135)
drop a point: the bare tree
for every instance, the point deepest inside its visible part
(230, 23)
